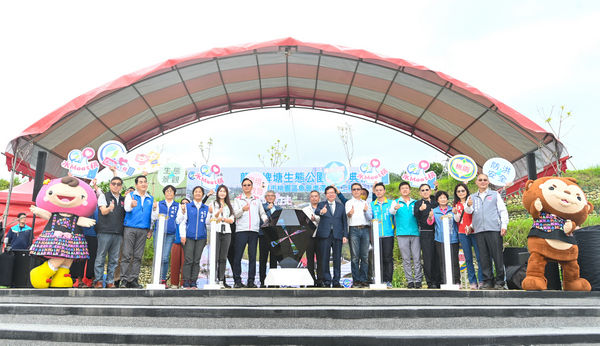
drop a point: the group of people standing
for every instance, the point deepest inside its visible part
(124, 224)
(477, 224)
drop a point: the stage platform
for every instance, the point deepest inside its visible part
(299, 316)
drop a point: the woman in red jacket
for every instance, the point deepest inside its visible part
(465, 234)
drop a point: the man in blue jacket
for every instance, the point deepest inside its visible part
(140, 211)
(332, 232)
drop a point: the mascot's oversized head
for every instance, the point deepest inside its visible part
(559, 196)
(67, 195)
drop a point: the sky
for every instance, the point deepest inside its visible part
(533, 56)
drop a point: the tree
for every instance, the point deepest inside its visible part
(345, 132)
(277, 155)
(437, 167)
(556, 125)
(5, 184)
(205, 149)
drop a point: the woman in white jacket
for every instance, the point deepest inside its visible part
(222, 214)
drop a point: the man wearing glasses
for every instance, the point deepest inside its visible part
(110, 232)
(359, 219)
(431, 266)
(263, 242)
(332, 233)
(490, 219)
(248, 211)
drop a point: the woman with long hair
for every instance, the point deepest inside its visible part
(222, 214)
(465, 234)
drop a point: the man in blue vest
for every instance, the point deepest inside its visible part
(170, 208)
(140, 211)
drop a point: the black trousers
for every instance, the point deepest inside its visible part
(439, 248)
(490, 248)
(326, 246)
(386, 245)
(311, 251)
(231, 252)
(80, 266)
(242, 239)
(264, 252)
(431, 263)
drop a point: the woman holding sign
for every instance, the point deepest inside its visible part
(465, 234)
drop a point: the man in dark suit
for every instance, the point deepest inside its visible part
(264, 245)
(331, 233)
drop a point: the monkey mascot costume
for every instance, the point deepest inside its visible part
(558, 206)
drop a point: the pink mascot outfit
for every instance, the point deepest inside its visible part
(65, 203)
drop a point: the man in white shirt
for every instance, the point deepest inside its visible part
(359, 219)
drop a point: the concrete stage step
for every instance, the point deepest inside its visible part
(299, 316)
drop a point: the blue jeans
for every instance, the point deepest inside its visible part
(359, 250)
(466, 242)
(108, 244)
(166, 252)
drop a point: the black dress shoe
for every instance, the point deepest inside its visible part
(487, 286)
(251, 285)
(418, 285)
(226, 285)
(134, 284)
(123, 284)
(238, 285)
(433, 286)
(411, 285)
(337, 286)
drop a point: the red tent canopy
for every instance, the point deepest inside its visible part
(447, 114)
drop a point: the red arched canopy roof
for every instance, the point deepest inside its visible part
(435, 108)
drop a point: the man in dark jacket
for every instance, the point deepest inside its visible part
(264, 244)
(332, 232)
(431, 267)
(109, 230)
(19, 236)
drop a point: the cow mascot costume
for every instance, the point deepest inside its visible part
(65, 203)
(558, 206)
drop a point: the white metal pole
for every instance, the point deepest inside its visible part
(160, 233)
(212, 275)
(449, 285)
(376, 257)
